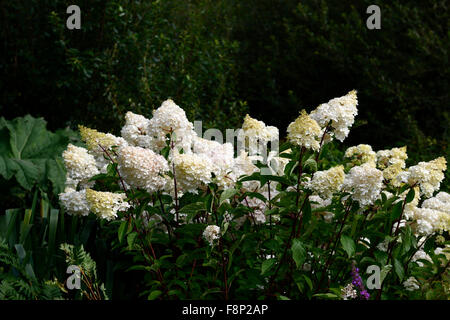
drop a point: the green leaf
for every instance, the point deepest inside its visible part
(298, 252)
(24, 231)
(308, 281)
(397, 211)
(325, 295)
(20, 251)
(256, 195)
(410, 195)
(311, 163)
(306, 211)
(407, 239)
(53, 226)
(56, 173)
(32, 154)
(192, 209)
(226, 194)
(381, 257)
(154, 294)
(122, 230)
(399, 270)
(349, 245)
(131, 238)
(267, 265)
(384, 272)
(11, 217)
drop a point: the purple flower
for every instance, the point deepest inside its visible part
(357, 282)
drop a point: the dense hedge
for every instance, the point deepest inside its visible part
(213, 57)
(296, 52)
(127, 56)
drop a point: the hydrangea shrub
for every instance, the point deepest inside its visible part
(202, 220)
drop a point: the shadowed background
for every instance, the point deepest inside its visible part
(221, 59)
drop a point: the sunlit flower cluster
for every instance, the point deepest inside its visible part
(433, 215)
(364, 183)
(136, 129)
(327, 182)
(165, 179)
(74, 202)
(97, 142)
(80, 165)
(169, 118)
(360, 154)
(192, 171)
(106, 204)
(305, 132)
(386, 158)
(339, 113)
(255, 135)
(428, 175)
(142, 168)
(221, 156)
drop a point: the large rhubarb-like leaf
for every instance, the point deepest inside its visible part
(31, 153)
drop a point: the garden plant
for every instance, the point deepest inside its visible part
(161, 212)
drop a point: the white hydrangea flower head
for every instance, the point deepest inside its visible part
(428, 175)
(259, 129)
(211, 233)
(305, 132)
(97, 141)
(392, 162)
(106, 204)
(326, 183)
(340, 112)
(429, 221)
(255, 135)
(192, 171)
(142, 168)
(80, 165)
(411, 284)
(443, 196)
(70, 183)
(74, 202)
(243, 166)
(360, 154)
(364, 183)
(170, 118)
(102, 162)
(386, 158)
(135, 130)
(440, 202)
(221, 157)
(392, 173)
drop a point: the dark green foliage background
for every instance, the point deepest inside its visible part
(218, 59)
(221, 59)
